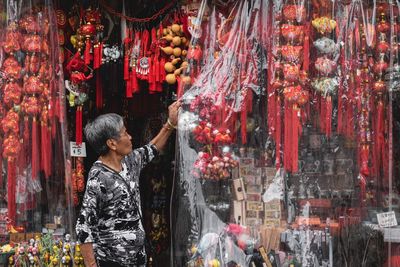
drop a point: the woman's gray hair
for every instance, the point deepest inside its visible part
(104, 127)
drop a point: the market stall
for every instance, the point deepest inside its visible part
(286, 136)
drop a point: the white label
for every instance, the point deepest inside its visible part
(77, 150)
(386, 219)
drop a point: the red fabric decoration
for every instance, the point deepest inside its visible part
(75, 64)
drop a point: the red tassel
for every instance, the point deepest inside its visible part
(96, 55)
(340, 108)
(134, 81)
(78, 132)
(128, 90)
(295, 139)
(179, 90)
(86, 55)
(306, 48)
(363, 189)
(35, 148)
(364, 156)
(278, 133)
(126, 66)
(271, 102)
(379, 148)
(328, 125)
(43, 146)
(287, 135)
(243, 123)
(322, 116)
(99, 91)
(11, 192)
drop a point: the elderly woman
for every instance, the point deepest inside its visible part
(109, 226)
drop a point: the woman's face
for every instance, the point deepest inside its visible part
(124, 143)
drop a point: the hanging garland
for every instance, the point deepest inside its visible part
(158, 16)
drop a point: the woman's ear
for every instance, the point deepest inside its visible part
(111, 144)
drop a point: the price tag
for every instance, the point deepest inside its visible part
(77, 150)
(386, 219)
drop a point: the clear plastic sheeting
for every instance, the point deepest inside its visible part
(285, 136)
(35, 183)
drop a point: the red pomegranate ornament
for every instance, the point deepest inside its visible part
(12, 39)
(32, 63)
(292, 33)
(10, 123)
(13, 72)
(379, 87)
(11, 147)
(291, 72)
(292, 53)
(32, 43)
(30, 105)
(33, 85)
(294, 13)
(10, 62)
(12, 94)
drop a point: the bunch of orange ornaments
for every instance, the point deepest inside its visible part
(177, 53)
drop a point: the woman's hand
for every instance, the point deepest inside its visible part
(173, 110)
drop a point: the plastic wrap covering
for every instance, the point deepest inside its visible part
(32, 114)
(285, 135)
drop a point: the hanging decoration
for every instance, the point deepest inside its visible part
(31, 110)
(288, 83)
(176, 50)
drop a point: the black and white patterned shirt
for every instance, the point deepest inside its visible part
(110, 217)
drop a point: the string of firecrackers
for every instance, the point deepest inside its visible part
(29, 98)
